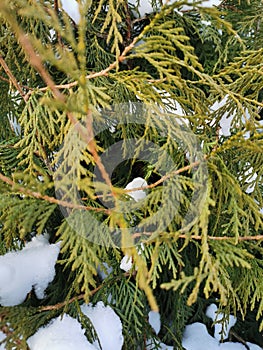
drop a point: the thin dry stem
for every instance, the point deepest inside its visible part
(200, 237)
(28, 192)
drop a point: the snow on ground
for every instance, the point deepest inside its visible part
(66, 333)
(251, 177)
(31, 267)
(60, 334)
(226, 120)
(106, 323)
(104, 271)
(215, 316)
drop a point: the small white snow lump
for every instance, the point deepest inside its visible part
(155, 321)
(126, 263)
(136, 183)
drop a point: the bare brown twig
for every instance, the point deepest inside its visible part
(211, 238)
(78, 297)
(103, 72)
(64, 303)
(28, 192)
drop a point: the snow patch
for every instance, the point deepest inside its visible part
(205, 3)
(216, 317)
(143, 7)
(155, 321)
(107, 324)
(60, 334)
(20, 271)
(2, 337)
(71, 7)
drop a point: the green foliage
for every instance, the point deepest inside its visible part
(77, 91)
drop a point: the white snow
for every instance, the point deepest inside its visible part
(226, 120)
(136, 183)
(205, 3)
(253, 346)
(196, 336)
(251, 177)
(71, 7)
(66, 333)
(2, 337)
(107, 324)
(60, 334)
(144, 7)
(104, 271)
(216, 317)
(126, 263)
(250, 180)
(31, 267)
(155, 321)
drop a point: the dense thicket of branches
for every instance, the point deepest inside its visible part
(56, 74)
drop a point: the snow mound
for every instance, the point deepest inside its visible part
(107, 324)
(20, 271)
(60, 334)
(196, 336)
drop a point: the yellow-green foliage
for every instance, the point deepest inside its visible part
(64, 78)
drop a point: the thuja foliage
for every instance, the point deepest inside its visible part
(70, 92)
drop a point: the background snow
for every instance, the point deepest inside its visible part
(2, 337)
(33, 266)
(104, 271)
(72, 9)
